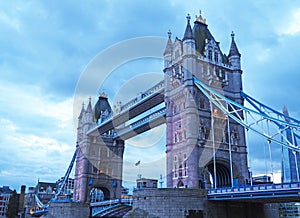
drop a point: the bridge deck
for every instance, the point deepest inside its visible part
(284, 192)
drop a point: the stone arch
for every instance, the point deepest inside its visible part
(222, 172)
(99, 194)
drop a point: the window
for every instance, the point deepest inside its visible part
(216, 57)
(209, 54)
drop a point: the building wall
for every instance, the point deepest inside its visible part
(167, 202)
(4, 199)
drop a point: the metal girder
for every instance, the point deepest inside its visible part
(268, 123)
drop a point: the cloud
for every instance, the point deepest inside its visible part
(293, 26)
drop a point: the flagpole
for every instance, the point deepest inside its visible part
(139, 164)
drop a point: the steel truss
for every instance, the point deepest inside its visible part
(275, 127)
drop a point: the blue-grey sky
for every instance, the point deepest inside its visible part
(46, 45)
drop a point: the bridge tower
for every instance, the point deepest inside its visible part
(99, 162)
(201, 148)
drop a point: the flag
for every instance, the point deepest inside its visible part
(137, 163)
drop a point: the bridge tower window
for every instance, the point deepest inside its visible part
(210, 54)
(216, 57)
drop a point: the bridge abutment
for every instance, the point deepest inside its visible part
(68, 210)
(181, 202)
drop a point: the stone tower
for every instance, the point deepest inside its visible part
(198, 134)
(99, 161)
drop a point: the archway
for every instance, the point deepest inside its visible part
(98, 194)
(222, 174)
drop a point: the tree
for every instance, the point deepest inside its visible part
(13, 205)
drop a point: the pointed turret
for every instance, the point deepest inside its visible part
(201, 34)
(89, 107)
(102, 108)
(188, 34)
(188, 39)
(234, 55)
(233, 48)
(82, 111)
(168, 49)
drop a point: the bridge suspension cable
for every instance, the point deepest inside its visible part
(60, 185)
(281, 122)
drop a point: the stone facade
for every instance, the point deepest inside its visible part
(194, 133)
(167, 202)
(68, 210)
(99, 162)
(193, 203)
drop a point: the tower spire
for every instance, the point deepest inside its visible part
(89, 107)
(168, 49)
(233, 48)
(188, 34)
(82, 111)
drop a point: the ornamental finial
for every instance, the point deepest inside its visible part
(103, 95)
(232, 35)
(188, 17)
(200, 19)
(169, 34)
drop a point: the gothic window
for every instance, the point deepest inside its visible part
(180, 170)
(185, 168)
(216, 57)
(210, 54)
(175, 158)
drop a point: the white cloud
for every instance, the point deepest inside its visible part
(29, 100)
(293, 26)
(9, 21)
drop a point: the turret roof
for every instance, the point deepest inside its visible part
(169, 44)
(101, 106)
(233, 48)
(201, 34)
(188, 34)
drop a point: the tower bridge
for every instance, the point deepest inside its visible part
(201, 102)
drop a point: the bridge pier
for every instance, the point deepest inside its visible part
(181, 202)
(67, 210)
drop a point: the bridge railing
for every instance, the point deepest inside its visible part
(260, 187)
(111, 202)
(159, 86)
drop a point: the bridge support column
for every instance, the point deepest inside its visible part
(99, 167)
(68, 210)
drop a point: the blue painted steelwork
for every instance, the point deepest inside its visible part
(61, 185)
(264, 191)
(236, 111)
(102, 208)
